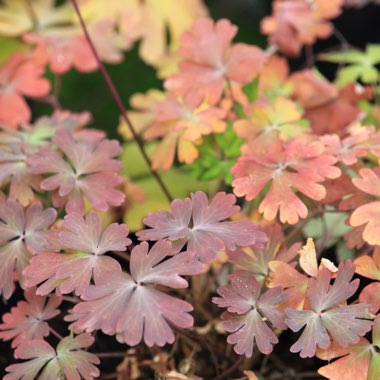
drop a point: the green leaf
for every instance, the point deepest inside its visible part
(373, 52)
(229, 143)
(8, 46)
(344, 253)
(251, 90)
(374, 367)
(333, 223)
(370, 118)
(361, 65)
(347, 56)
(240, 111)
(348, 74)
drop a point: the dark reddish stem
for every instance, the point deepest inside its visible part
(230, 370)
(119, 102)
(112, 354)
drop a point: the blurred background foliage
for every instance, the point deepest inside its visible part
(80, 91)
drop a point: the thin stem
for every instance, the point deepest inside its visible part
(70, 299)
(230, 370)
(52, 100)
(112, 354)
(264, 363)
(57, 85)
(119, 102)
(310, 58)
(55, 333)
(341, 38)
(32, 13)
(308, 374)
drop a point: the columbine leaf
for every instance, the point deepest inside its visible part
(371, 295)
(358, 361)
(67, 360)
(130, 306)
(210, 60)
(247, 312)
(22, 234)
(361, 65)
(298, 165)
(368, 214)
(20, 76)
(90, 170)
(27, 320)
(325, 320)
(368, 266)
(74, 271)
(201, 225)
(257, 260)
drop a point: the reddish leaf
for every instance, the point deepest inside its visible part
(296, 22)
(368, 214)
(131, 307)
(26, 321)
(368, 266)
(371, 295)
(344, 324)
(256, 260)
(67, 360)
(210, 60)
(13, 170)
(357, 144)
(247, 312)
(358, 361)
(295, 283)
(90, 170)
(201, 225)
(73, 272)
(297, 165)
(20, 76)
(181, 122)
(328, 109)
(62, 51)
(22, 234)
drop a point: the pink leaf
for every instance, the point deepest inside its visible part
(22, 234)
(26, 321)
(67, 360)
(85, 234)
(256, 260)
(202, 226)
(89, 171)
(131, 307)
(20, 76)
(297, 165)
(210, 60)
(247, 312)
(74, 272)
(326, 320)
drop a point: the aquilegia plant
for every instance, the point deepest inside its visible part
(229, 232)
